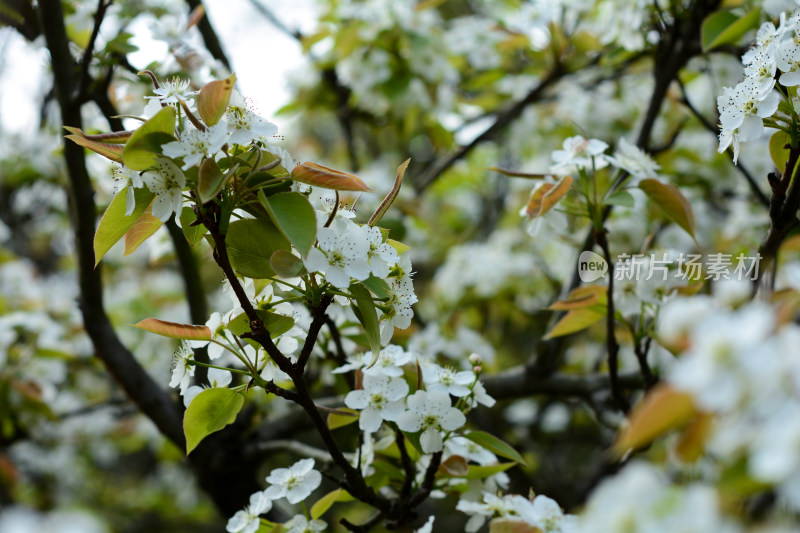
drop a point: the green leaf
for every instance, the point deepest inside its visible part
(293, 215)
(174, 330)
(482, 472)
(144, 146)
(621, 198)
(671, 201)
(378, 286)
(323, 504)
(212, 102)
(286, 264)
(210, 411)
(115, 224)
(398, 246)
(342, 417)
(779, 149)
(275, 324)
(724, 27)
(574, 321)
(251, 244)
(210, 180)
(142, 230)
(193, 234)
(368, 317)
(495, 445)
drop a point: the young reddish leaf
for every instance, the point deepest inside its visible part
(188, 332)
(455, 466)
(662, 409)
(546, 195)
(107, 150)
(582, 297)
(210, 180)
(114, 137)
(693, 439)
(327, 178)
(391, 196)
(495, 445)
(141, 230)
(212, 102)
(671, 201)
(516, 174)
(195, 16)
(144, 145)
(576, 320)
(512, 525)
(115, 223)
(210, 411)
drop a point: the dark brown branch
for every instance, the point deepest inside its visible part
(210, 38)
(313, 332)
(504, 118)
(83, 78)
(136, 382)
(408, 465)
(520, 382)
(427, 483)
(612, 346)
(751, 181)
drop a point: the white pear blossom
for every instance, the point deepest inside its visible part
(380, 399)
(631, 159)
(217, 377)
(295, 483)
(300, 524)
(287, 161)
(427, 527)
(380, 255)
(129, 180)
(402, 297)
(247, 521)
(390, 361)
(245, 126)
(173, 90)
(339, 256)
(167, 181)
(182, 369)
(447, 380)
(744, 107)
(196, 145)
(431, 413)
(581, 153)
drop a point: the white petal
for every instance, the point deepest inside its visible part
(431, 441)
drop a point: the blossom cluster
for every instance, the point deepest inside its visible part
(384, 396)
(739, 362)
(747, 108)
(295, 483)
(541, 512)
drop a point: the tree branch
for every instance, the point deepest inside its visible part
(138, 385)
(210, 38)
(504, 118)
